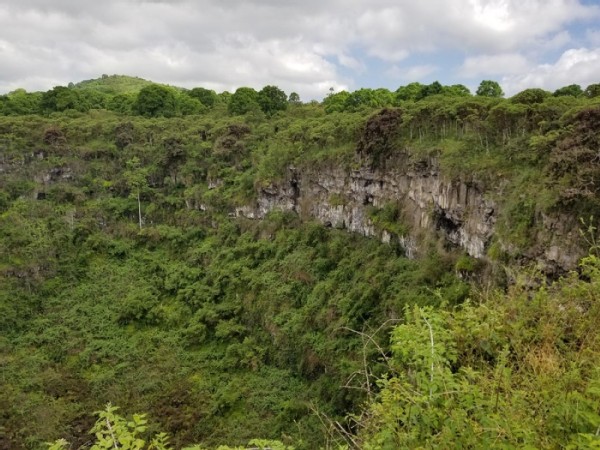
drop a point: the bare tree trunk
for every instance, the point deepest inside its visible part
(139, 209)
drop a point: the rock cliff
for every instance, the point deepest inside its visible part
(346, 199)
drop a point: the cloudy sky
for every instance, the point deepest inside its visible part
(305, 46)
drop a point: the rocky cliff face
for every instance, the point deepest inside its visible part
(346, 199)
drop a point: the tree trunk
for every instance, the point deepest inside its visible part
(139, 209)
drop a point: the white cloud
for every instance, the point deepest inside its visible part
(579, 66)
(493, 65)
(298, 46)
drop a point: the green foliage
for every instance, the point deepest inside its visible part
(272, 99)
(156, 100)
(243, 100)
(502, 374)
(389, 219)
(489, 88)
(206, 96)
(113, 431)
(224, 328)
(336, 102)
(294, 99)
(573, 90)
(411, 91)
(61, 98)
(592, 91)
(530, 96)
(20, 102)
(458, 90)
(434, 88)
(114, 84)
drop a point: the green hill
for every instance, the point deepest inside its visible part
(114, 84)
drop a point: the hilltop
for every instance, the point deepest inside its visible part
(114, 84)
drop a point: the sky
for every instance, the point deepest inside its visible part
(306, 46)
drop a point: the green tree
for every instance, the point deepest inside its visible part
(20, 102)
(122, 103)
(243, 100)
(137, 181)
(207, 97)
(336, 102)
(61, 98)
(368, 97)
(411, 91)
(530, 96)
(272, 99)
(593, 90)
(294, 99)
(187, 105)
(489, 88)
(430, 89)
(456, 90)
(155, 101)
(573, 90)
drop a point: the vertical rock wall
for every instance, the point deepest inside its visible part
(343, 199)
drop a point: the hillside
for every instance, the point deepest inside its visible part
(377, 271)
(114, 84)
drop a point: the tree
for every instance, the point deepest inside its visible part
(593, 90)
(122, 103)
(409, 92)
(457, 90)
(136, 180)
(335, 102)
(20, 102)
(272, 99)
(530, 96)
(430, 89)
(206, 96)
(61, 98)
(572, 90)
(187, 105)
(243, 100)
(489, 88)
(155, 101)
(294, 99)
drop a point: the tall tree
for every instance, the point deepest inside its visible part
(61, 98)
(530, 96)
(572, 90)
(136, 177)
(489, 88)
(294, 99)
(243, 100)
(411, 91)
(457, 90)
(155, 101)
(593, 90)
(272, 99)
(206, 96)
(430, 89)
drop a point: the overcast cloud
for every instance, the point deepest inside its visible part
(304, 46)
